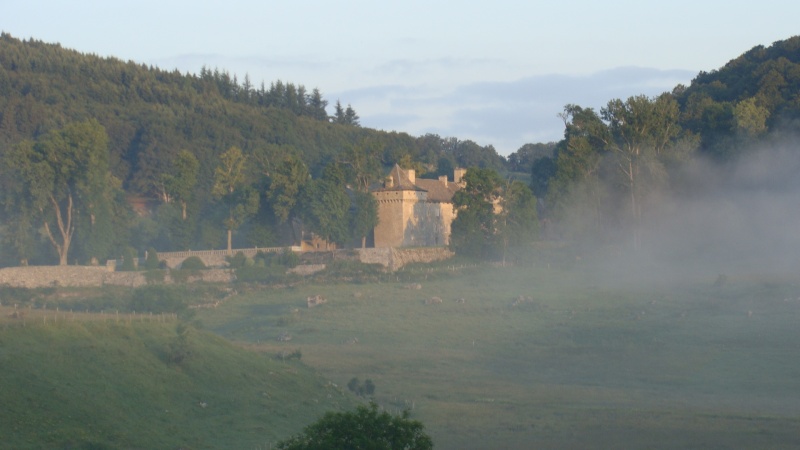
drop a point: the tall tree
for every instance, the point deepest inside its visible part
(363, 163)
(338, 113)
(365, 216)
(350, 117)
(473, 230)
(60, 176)
(317, 105)
(286, 184)
(180, 182)
(230, 186)
(577, 165)
(642, 130)
(516, 222)
(325, 211)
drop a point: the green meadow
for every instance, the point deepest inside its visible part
(484, 356)
(550, 358)
(93, 382)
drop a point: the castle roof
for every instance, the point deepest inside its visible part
(404, 180)
(437, 190)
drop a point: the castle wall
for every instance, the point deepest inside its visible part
(395, 258)
(396, 211)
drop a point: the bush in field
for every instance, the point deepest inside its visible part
(364, 428)
(261, 274)
(362, 390)
(179, 349)
(157, 300)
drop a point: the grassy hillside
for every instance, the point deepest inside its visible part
(546, 358)
(114, 384)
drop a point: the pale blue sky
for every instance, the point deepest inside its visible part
(497, 72)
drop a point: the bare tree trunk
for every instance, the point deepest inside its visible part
(66, 229)
(635, 208)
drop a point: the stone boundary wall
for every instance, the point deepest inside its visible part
(395, 258)
(81, 276)
(91, 276)
(211, 258)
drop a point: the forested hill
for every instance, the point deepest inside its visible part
(83, 138)
(151, 114)
(755, 93)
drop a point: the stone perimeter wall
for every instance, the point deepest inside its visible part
(395, 258)
(211, 258)
(82, 276)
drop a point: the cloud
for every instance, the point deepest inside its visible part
(506, 114)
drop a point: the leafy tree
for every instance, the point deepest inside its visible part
(365, 216)
(364, 428)
(61, 177)
(326, 210)
(469, 154)
(287, 182)
(751, 119)
(407, 162)
(151, 261)
(542, 171)
(230, 186)
(180, 182)
(473, 230)
(363, 163)
(577, 163)
(517, 223)
(641, 130)
(525, 156)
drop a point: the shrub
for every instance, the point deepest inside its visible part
(151, 262)
(155, 276)
(193, 263)
(288, 356)
(238, 260)
(363, 428)
(128, 260)
(362, 390)
(157, 299)
(261, 274)
(289, 259)
(179, 348)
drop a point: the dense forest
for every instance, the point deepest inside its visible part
(102, 155)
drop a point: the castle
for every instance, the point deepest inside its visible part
(415, 212)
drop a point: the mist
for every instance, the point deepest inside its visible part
(733, 219)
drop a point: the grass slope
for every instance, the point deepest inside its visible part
(581, 362)
(106, 384)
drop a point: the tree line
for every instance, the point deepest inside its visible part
(101, 155)
(166, 136)
(607, 177)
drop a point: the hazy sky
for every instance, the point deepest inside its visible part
(497, 72)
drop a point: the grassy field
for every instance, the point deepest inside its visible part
(545, 358)
(96, 381)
